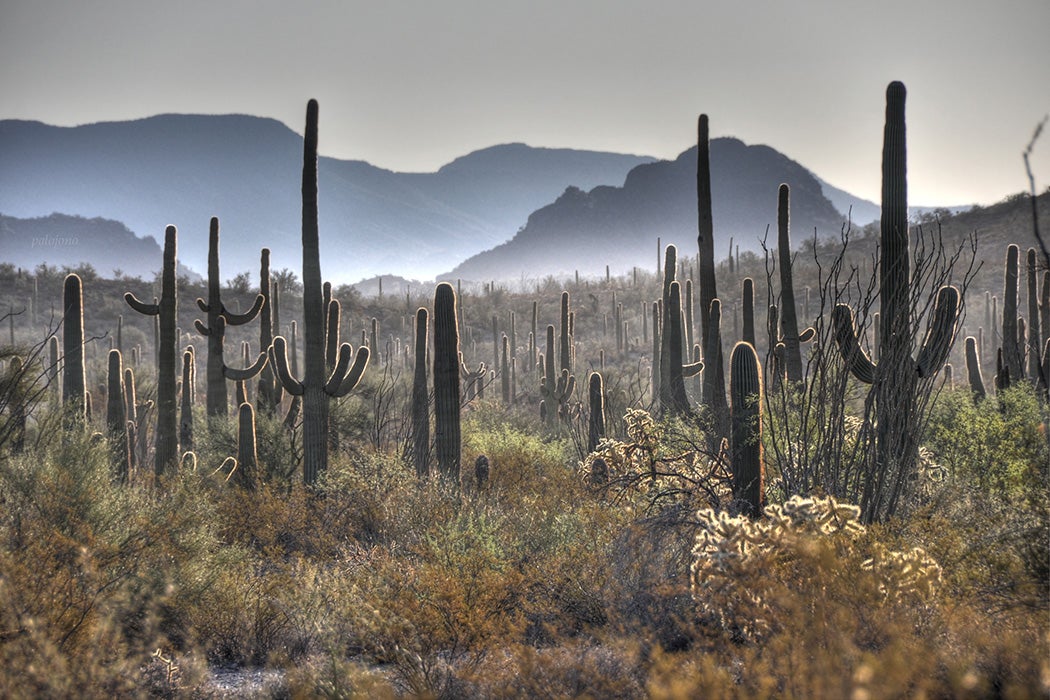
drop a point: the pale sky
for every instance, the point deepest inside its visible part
(410, 85)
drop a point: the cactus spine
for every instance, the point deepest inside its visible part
(896, 376)
(745, 388)
(447, 440)
(315, 389)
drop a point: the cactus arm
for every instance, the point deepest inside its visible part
(807, 335)
(203, 305)
(342, 363)
(860, 365)
(141, 307)
(201, 328)
(692, 369)
(973, 370)
(280, 363)
(353, 377)
(234, 319)
(243, 375)
(940, 334)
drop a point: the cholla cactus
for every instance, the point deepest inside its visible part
(741, 566)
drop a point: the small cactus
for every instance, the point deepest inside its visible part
(745, 388)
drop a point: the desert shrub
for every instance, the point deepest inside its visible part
(661, 465)
(93, 576)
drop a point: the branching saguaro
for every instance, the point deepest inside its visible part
(165, 310)
(219, 317)
(315, 388)
(894, 402)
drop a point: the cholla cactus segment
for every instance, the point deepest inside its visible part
(737, 561)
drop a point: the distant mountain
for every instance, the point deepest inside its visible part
(69, 241)
(618, 226)
(860, 211)
(184, 169)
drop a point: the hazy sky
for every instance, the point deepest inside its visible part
(410, 85)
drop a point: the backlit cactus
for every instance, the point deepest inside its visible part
(117, 418)
(246, 474)
(790, 335)
(421, 399)
(596, 420)
(896, 376)
(556, 388)
(166, 451)
(217, 399)
(447, 437)
(74, 389)
(1012, 352)
(270, 392)
(745, 390)
(315, 388)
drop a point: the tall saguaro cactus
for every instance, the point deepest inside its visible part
(596, 419)
(219, 317)
(788, 318)
(165, 310)
(74, 389)
(270, 391)
(315, 388)
(117, 417)
(705, 230)
(447, 444)
(421, 399)
(895, 378)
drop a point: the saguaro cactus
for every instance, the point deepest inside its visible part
(247, 454)
(705, 233)
(270, 391)
(565, 337)
(745, 390)
(74, 389)
(165, 310)
(672, 386)
(117, 417)
(219, 317)
(973, 370)
(555, 388)
(788, 318)
(315, 389)
(421, 399)
(896, 376)
(596, 421)
(447, 443)
(1012, 351)
(1035, 333)
(186, 407)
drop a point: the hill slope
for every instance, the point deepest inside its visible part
(618, 226)
(69, 241)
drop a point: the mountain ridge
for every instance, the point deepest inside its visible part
(182, 169)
